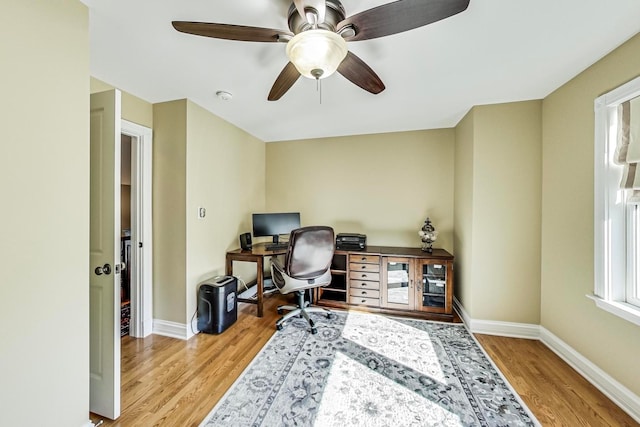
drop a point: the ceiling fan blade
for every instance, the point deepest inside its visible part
(400, 16)
(232, 32)
(288, 76)
(319, 5)
(357, 72)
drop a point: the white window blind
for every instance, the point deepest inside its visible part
(628, 148)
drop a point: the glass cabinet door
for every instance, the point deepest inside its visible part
(433, 289)
(397, 285)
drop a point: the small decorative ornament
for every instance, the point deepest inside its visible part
(428, 235)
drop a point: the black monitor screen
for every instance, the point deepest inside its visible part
(275, 224)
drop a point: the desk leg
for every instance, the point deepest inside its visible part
(229, 266)
(260, 284)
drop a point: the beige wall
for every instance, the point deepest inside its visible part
(506, 212)
(199, 160)
(498, 184)
(567, 226)
(463, 211)
(382, 185)
(169, 210)
(134, 109)
(225, 175)
(44, 220)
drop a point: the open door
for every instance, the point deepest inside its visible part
(104, 295)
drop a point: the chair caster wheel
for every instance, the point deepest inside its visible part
(311, 323)
(314, 331)
(279, 327)
(280, 311)
(330, 316)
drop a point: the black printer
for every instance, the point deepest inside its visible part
(351, 241)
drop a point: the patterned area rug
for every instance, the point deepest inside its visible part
(370, 370)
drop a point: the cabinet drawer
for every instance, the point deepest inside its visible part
(364, 284)
(364, 275)
(357, 266)
(373, 302)
(367, 259)
(366, 293)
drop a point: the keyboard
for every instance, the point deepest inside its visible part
(277, 246)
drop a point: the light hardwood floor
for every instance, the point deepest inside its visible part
(555, 393)
(170, 382)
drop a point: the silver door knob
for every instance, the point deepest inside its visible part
(105, 269)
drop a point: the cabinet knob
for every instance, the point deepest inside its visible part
(363, 267)
(364, 292)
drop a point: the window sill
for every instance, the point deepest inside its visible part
(626, 311)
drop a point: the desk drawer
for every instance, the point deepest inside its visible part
(364, 284)
(364, 293)
(367, 259)
(373, 302)
(357, 266)
(364, 275)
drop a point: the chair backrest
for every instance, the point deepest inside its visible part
(310, 252)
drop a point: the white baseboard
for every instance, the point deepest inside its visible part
(618, 393)
(172, 329)
(492, 327)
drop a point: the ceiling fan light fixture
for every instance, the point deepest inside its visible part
(316, 54)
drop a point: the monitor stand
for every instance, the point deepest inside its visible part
(276, 244)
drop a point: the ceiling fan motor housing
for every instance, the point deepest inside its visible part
(334, 14)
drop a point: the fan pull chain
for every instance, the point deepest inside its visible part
(317, 73)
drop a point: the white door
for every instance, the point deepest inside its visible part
(104, 323)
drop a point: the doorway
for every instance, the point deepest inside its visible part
(136, 230)
(125, 234)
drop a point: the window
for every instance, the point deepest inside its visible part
(617, 202)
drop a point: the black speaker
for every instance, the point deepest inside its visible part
(245, 241)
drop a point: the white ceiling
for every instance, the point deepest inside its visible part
(496, 51)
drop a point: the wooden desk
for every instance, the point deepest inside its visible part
(257, 255)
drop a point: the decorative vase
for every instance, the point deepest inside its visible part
(428, 235)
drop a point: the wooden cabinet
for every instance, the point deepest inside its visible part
(392, 280)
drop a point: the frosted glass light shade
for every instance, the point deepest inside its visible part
(316, 54)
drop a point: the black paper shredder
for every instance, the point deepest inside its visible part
(217, 304)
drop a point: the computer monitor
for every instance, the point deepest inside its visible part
(275, 224)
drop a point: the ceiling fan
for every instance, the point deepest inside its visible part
(319, 30)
